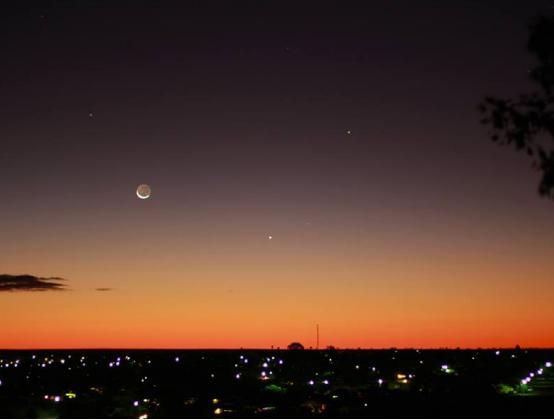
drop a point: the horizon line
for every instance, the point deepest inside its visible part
(267, 348)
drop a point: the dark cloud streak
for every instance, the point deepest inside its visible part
(30, 283)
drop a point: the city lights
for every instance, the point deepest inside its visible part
(321, 378)
(446, 369)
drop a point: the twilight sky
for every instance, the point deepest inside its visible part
(348, 132)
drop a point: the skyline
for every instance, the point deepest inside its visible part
(308, 165)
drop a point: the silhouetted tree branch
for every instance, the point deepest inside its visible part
(527, 122)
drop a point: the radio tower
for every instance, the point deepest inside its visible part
(317, 336)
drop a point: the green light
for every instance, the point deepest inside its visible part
(275, 388)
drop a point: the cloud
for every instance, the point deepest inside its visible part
(30, 283)
(103, 289)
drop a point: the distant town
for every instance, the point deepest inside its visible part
(276, 383)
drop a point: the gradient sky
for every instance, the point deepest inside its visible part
(412, 230)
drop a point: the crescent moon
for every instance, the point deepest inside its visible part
(144, 191)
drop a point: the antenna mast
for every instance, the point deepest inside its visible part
(317, 336)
